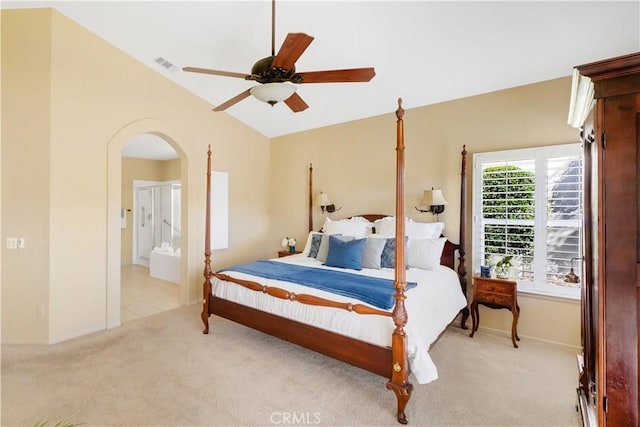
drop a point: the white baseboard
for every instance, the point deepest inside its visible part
(508, 334)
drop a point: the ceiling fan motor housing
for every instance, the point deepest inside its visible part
(270, 74)
(274, 71)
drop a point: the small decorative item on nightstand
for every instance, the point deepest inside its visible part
(485, 271)
(289, 242)
(504, 266)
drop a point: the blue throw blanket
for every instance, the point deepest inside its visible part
(372, 290)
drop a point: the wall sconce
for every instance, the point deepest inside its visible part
(322, 200)
(434, 200)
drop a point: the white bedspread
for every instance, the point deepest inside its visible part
(431, 306)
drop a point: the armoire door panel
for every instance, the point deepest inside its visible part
(638, 188)
(620, 258)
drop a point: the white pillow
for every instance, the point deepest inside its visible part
(413, 230)
(368, 224)
(331, 227)
(348, 227)
(424, 230)
(356, 229)
(425, 253)
(386, 226)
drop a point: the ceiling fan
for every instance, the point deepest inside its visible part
(275, 73)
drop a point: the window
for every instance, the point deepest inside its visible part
(528, 203)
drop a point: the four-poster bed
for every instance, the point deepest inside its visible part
(275, 306)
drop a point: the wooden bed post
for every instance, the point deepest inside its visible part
(462, 268)
(399, 381)
(310, 197)
(207, 287)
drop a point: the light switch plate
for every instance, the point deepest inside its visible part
(12, 243)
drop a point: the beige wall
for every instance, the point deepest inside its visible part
(26, 106)
(354, 163)
(70, 103)
(145, 170)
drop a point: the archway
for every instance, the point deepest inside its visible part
(114, 186)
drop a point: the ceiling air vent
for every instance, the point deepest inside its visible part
(165, 64)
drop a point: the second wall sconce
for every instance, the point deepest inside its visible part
(325, 204)
(434, 200)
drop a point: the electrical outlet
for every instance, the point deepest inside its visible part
(20, 243)
(12, 243)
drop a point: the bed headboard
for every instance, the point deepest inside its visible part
(448, 257)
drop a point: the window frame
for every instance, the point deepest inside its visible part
(539, 155)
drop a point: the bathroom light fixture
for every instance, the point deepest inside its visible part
(434, 200)
(272, 93)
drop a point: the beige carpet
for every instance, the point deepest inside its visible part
(161, 371)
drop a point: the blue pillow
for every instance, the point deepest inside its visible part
(345, 254)
(388, 257)
(315, 245)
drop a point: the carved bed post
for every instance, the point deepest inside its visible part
(462, 268)
(207, 287)
(310, 197)
(399, 381)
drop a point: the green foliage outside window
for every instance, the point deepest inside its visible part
(508, 194)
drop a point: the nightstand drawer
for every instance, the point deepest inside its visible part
(495, 287)
(497, 299)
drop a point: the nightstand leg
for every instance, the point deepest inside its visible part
(517, 337)
(514, 326)
(475, 318)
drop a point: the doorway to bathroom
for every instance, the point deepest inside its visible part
(151, 227)
(157, 219)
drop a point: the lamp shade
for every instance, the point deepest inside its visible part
(322, 200)
(433, 198)
(272, 93)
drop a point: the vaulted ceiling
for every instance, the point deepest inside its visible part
(423, 51)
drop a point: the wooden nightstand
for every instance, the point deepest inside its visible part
(495, 293)
(287, 253)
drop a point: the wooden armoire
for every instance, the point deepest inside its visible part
(605, 103)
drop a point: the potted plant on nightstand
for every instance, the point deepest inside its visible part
(504, 265)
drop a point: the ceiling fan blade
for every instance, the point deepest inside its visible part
(296, 103)
(292, 48)
(233, 101)
(219, 73)
(336, 76)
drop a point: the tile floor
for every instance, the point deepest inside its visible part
(143, 295)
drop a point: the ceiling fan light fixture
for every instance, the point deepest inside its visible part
(272, 93)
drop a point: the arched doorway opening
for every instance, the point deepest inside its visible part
(120, 139)
(151, 235)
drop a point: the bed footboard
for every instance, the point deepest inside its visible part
(364, 355)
